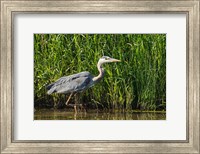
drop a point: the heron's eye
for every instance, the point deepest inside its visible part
(106, 58)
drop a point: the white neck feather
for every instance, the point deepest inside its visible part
(101, 72)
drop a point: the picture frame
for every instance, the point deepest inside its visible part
(10, 8)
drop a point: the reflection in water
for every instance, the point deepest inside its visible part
(94, 115)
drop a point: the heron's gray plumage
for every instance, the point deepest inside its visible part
(72, 83)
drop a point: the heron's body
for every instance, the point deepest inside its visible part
(72, 83)
(80, 81)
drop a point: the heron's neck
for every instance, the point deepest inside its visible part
(101, 73)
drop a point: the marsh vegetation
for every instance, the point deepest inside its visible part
(138, 82)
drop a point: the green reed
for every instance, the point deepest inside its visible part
(137, 82)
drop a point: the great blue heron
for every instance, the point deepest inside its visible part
(78, 82)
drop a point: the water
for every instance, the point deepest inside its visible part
(94, 115)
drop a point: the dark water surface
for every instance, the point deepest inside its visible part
(94, 115)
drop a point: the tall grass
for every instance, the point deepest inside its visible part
(137, 82)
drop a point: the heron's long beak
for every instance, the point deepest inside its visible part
(115, 60)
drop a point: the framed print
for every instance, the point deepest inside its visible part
(99, 76)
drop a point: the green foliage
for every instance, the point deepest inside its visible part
(137, 82)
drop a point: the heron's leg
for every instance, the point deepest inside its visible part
(69, 98)
(75, 116)
(75, 110)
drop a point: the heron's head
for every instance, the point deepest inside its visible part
(106, 59)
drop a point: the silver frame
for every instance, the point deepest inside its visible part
(10, 7)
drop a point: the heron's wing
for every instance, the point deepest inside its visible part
(74, 85)
(70, 83)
